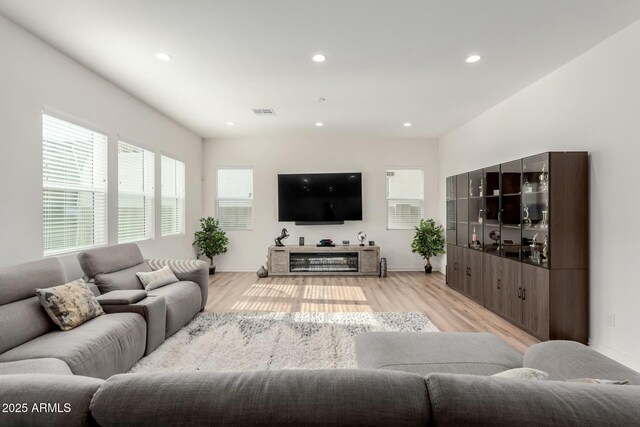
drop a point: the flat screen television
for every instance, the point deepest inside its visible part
(320, 198)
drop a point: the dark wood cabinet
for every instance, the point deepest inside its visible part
(518, 242)
(473, 267)
(534, 300)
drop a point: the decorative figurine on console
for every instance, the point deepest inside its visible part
(362, 236)
(283, 235)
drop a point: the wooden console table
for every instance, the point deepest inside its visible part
(350, 260)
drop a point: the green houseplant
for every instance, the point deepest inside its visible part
(428, 241)
(211, 240)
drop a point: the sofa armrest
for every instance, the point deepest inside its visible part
(192, 270)
(470, 399)
(51, 400)
(125, 297)
(154, 311)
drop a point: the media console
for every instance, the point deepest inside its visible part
(324, 260)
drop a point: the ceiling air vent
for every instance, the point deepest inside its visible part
(264, 112)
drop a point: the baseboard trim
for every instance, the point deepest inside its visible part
(616, 355)
(249, 269)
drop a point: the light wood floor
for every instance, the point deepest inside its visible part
(400, 291)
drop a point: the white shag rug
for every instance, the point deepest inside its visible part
(229, 342)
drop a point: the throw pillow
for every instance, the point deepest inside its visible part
(157, 279)
(69, 305)
(523, 374)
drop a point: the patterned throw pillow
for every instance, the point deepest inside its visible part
(523, 374)
(70, 305)
(157, 278)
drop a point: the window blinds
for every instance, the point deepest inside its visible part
(235, 198)
(405, 198)
(135, 193)
(74, 173)
(173, 196)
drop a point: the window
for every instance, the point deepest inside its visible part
(135, 193)
(172, 196)
(405, 198)
(235, 198)
(74, 187)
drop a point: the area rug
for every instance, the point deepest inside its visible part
(230, 342)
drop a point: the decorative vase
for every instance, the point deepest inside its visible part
(212, 270)
(383, 267)
(262, 272)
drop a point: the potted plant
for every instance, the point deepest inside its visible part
(211, 240)
(428, 241)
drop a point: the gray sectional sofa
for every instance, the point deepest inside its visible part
(49, 377)
(109, 344)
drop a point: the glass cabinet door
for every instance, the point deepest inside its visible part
(510, 233)
(476, 209)
(451, 210)
(491, 189)
(535, 210)
(462, 209)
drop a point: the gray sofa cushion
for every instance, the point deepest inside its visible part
(22, 321)
(183, 303)
(475, 400)
(121, 280)
(564, 360)
(47, 366)
(107, 345)
(37, 389)
(266, 398)
(189, 270)
(426, 352)
(20, 281)
(109, 259)
(154, 311)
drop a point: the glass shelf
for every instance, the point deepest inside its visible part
(535, 210)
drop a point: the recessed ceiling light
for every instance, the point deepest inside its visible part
(473, 58)
(320, 99)
(319, 124)
(163, 56)
(407, 124)
(319, 57)
(231, 123)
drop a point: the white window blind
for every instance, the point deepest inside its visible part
(173, 193)
(135, 193)
(405, 198)
(235, 198)
(74, 198)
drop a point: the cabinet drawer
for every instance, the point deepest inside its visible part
(369, 261)
(278, 261)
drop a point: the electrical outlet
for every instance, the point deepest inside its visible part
(611, 320)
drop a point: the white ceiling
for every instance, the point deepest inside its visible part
(389, 62)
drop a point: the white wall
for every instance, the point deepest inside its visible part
(34, 76)
(592, 103)
(269, 157)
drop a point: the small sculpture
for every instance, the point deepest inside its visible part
(545, 248)
(535, 250)
(362, 236)
(283, 235)
(525, 216)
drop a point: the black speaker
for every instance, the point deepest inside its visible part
(301, 241)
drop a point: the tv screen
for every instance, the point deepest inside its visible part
(320, 198)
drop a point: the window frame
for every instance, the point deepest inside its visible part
(387, 199)
(104, 227)
(151, 193)
(252, 198)
(184, 196)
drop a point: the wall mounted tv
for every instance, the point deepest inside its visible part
(320, 198)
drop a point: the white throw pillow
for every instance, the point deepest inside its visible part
(158, 278)
(523, 374)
